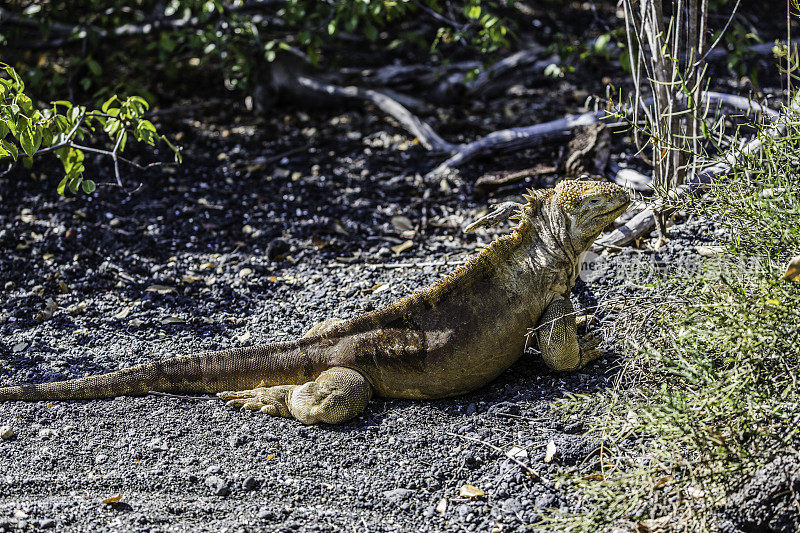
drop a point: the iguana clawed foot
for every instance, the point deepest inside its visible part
(338, 394)
(270, 400)
(558, 339)
(588, 345)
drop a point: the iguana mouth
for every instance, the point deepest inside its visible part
(618, 210)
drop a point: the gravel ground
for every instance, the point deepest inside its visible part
(230, 251)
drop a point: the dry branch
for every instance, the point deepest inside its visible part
(517, 139)
(420, 129)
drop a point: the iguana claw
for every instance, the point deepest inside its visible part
(270, 400)
(588, 346)
(498, 214)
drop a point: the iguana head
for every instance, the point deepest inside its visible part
(576, 211)
(588, 207)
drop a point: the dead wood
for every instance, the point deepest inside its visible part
(410, 122)
(517, 139)
(496, 180)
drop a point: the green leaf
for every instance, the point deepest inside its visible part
(62, 124)
(94, 66)
(112, 127)
(74, 184)
(47, 137)
(107, 104)
(352, 23)
(473, 11)
(65, 103)
(26, 140)
(62, 185)
(24, 103)
(88, 186)
(74, 113)
(371, 32)
(601, 42)
(140, 100)
(10, 148)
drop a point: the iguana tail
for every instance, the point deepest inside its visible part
(226, 370)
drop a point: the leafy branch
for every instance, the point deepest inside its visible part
(58, 129)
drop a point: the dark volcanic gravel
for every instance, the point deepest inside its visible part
(228, 251)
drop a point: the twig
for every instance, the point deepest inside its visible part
(276, 157)
(115, 158)
(440, 17)
(719, 37)
(500, 450)
(67, 140)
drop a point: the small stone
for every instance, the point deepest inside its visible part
(46, 433)
(218, 486)
(100, 459)
(512, 505)
(214, 469)
(397, 495)
(19, 514)
(504, 408)
(544, 501)
(250, 483)
(7, 433)
(470, 491)
(47, 523)
(237, 441)
(158, 445)
(463, 511)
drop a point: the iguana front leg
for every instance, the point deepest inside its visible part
(557, 334)
(499, 213)
(338, 394)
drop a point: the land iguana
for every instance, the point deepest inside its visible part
(447, 339)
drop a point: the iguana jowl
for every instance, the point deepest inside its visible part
(447, 339)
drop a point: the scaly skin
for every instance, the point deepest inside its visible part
(447, 339)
